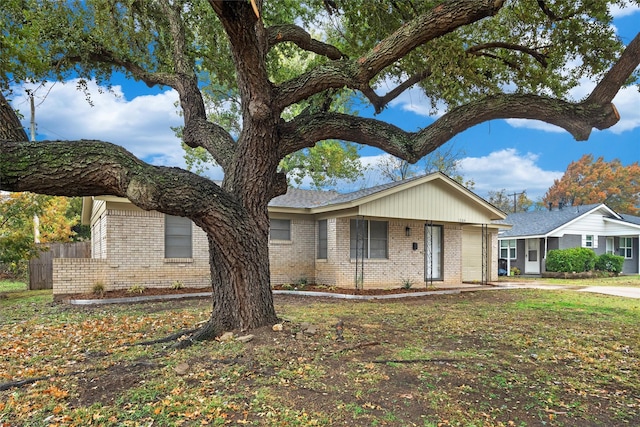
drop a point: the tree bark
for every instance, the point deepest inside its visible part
(10, 126)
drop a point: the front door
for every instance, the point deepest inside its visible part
(432, 252)
(532, 256)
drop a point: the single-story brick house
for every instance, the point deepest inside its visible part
(427, 229)
(596, 226)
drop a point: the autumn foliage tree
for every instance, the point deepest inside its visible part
(19, 228)
(482, 59)
(588, 181)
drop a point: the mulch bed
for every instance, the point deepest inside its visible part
(124, 293)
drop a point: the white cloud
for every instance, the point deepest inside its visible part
(510, 170)
(141, 124)
(628, 9)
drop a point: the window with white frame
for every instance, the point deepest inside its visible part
(589, 241)
(280, 229)
(626, 247)
(508, 249)
(368, 239)
(177, 237)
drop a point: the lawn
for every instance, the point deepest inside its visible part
(488, 358)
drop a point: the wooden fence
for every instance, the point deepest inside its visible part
(41, 268)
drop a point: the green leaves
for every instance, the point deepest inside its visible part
(324, 164)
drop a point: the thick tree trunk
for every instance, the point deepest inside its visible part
(239, 262)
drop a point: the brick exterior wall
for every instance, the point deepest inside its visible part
(128, 250)
(293, 261)
(404, 263)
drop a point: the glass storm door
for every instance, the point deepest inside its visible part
(532, 257)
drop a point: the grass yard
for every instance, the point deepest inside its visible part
(489, 358)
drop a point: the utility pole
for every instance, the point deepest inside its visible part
(515, 200)
(32, 129)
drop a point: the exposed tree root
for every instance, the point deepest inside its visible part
(417, 361)
(27, 381)
(208, 331)
(169, 338)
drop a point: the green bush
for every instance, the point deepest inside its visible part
(572, 260)
(609, 262)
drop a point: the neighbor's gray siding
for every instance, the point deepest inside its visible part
(570, 241)
(630, 266)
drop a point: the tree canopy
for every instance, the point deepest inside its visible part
(291, 65)
(588, 181)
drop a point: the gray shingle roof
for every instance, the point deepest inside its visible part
(538, 223)
(298, 198)
(630, 218)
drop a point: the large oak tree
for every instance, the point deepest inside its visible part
(483, 59)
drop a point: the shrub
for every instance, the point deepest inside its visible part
(407, 283)
(572, 260)
(515, 271)
(177, 285)
(609, 262)
(136, 289)
(98, 289)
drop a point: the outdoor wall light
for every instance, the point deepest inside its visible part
(407, 231)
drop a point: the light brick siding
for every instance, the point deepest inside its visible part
(404, 263)
(128, 249)
(292, 261)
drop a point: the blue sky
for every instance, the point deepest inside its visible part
(514, 155)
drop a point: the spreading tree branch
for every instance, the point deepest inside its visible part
(357, 73)
(479, 50)
(302, 39)
(619, 73)
(577, 119)
(95, 168)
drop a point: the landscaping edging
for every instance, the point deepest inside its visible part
(129, 300)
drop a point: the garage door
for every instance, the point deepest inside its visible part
(471, 254)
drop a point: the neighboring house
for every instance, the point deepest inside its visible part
(595, 226)
(428, 229)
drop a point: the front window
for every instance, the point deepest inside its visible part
(368, 239)
(626, 247)
(177, 237)
(588, 241)
(508, 249)
(322, 239)
(280, 229)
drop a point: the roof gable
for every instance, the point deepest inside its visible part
(429, 197)
(545, 222)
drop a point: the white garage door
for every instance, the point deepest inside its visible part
(471, 254)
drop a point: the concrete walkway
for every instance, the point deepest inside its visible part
(619, 291)
(443, 290)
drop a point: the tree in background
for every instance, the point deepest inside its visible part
(445, 159)
(510, 203)
(587, 181)
(464, 54)
(18, 231)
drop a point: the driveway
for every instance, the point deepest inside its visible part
(619, 291)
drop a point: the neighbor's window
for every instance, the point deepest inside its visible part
(368, 239)
(322, 239)
(280, 229)
(588, 241)
(626, 247)
(508, 249)
(177, 237)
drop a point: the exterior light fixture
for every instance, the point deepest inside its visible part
(407, 231)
